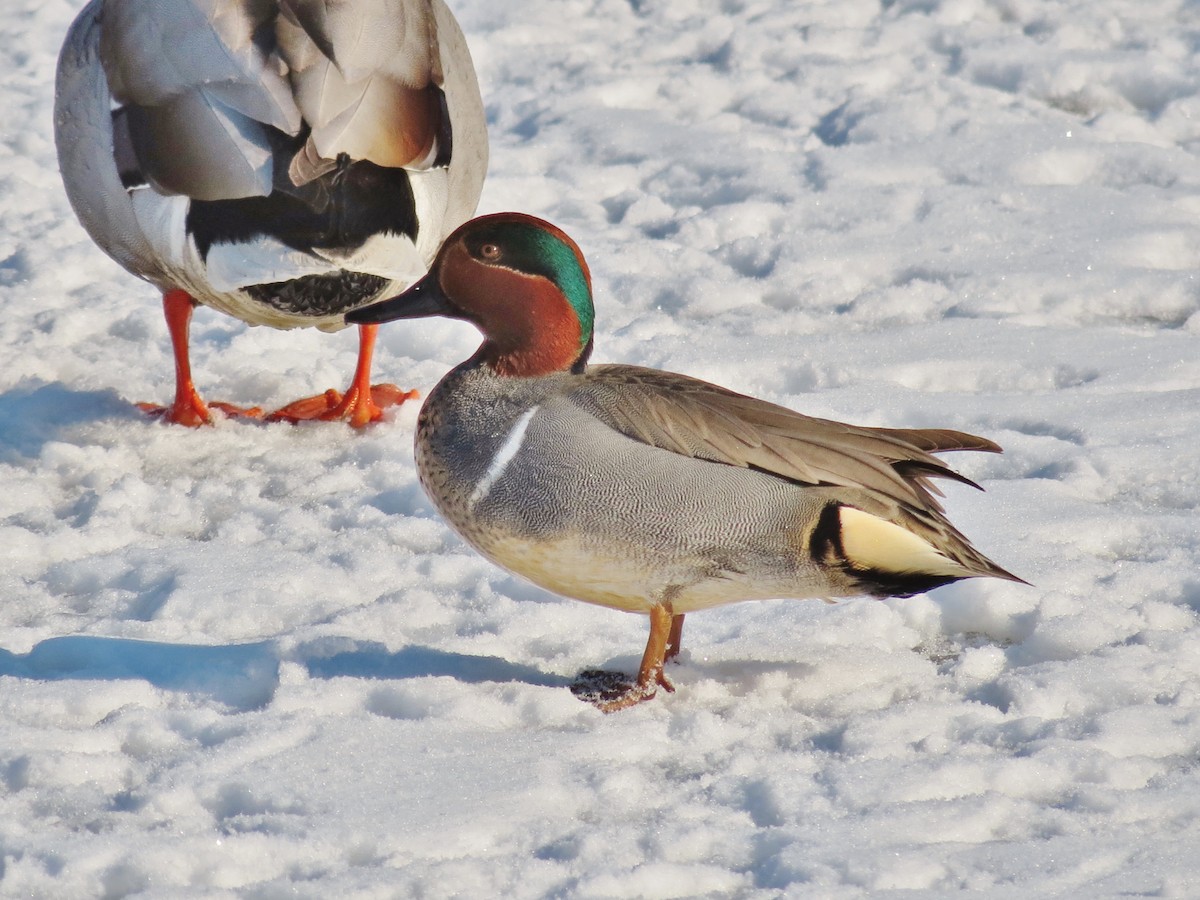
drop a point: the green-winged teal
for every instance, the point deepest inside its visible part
(645, 490)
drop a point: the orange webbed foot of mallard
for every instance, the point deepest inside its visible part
(359, 408)
(362, 404)
(194, 412)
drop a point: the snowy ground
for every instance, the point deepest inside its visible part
(251, 661)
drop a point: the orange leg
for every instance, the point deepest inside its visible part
(675, 639)
(650, 673)
(362, 403)
(188, 409)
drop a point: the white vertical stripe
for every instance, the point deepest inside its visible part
(503, 457)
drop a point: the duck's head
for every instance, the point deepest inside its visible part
(520, 280)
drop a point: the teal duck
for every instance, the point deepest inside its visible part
(649, 491)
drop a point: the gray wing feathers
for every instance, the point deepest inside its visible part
(465, 177)
(396, 38)
(200, 93)
(363, 75)
(83, 122)
(204, 82)
(155, 52)
(698, 419)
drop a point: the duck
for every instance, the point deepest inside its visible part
(649, 491)
(278, 161)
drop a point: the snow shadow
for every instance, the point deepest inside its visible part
(370, 659)
(242, 676)
(31, 415)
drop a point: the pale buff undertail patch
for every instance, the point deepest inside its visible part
(870, 542)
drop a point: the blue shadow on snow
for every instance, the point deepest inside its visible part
(31, 415)
(370, 659)
(243, 676)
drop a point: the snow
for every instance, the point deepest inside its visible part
(250, 661)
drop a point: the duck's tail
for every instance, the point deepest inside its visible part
(899, 555)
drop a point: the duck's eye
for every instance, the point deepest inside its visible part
(490, 252)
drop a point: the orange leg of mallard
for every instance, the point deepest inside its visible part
(650, 673)
(188, 409)
(362, 403)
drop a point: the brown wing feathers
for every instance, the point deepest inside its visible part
(697, 419)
